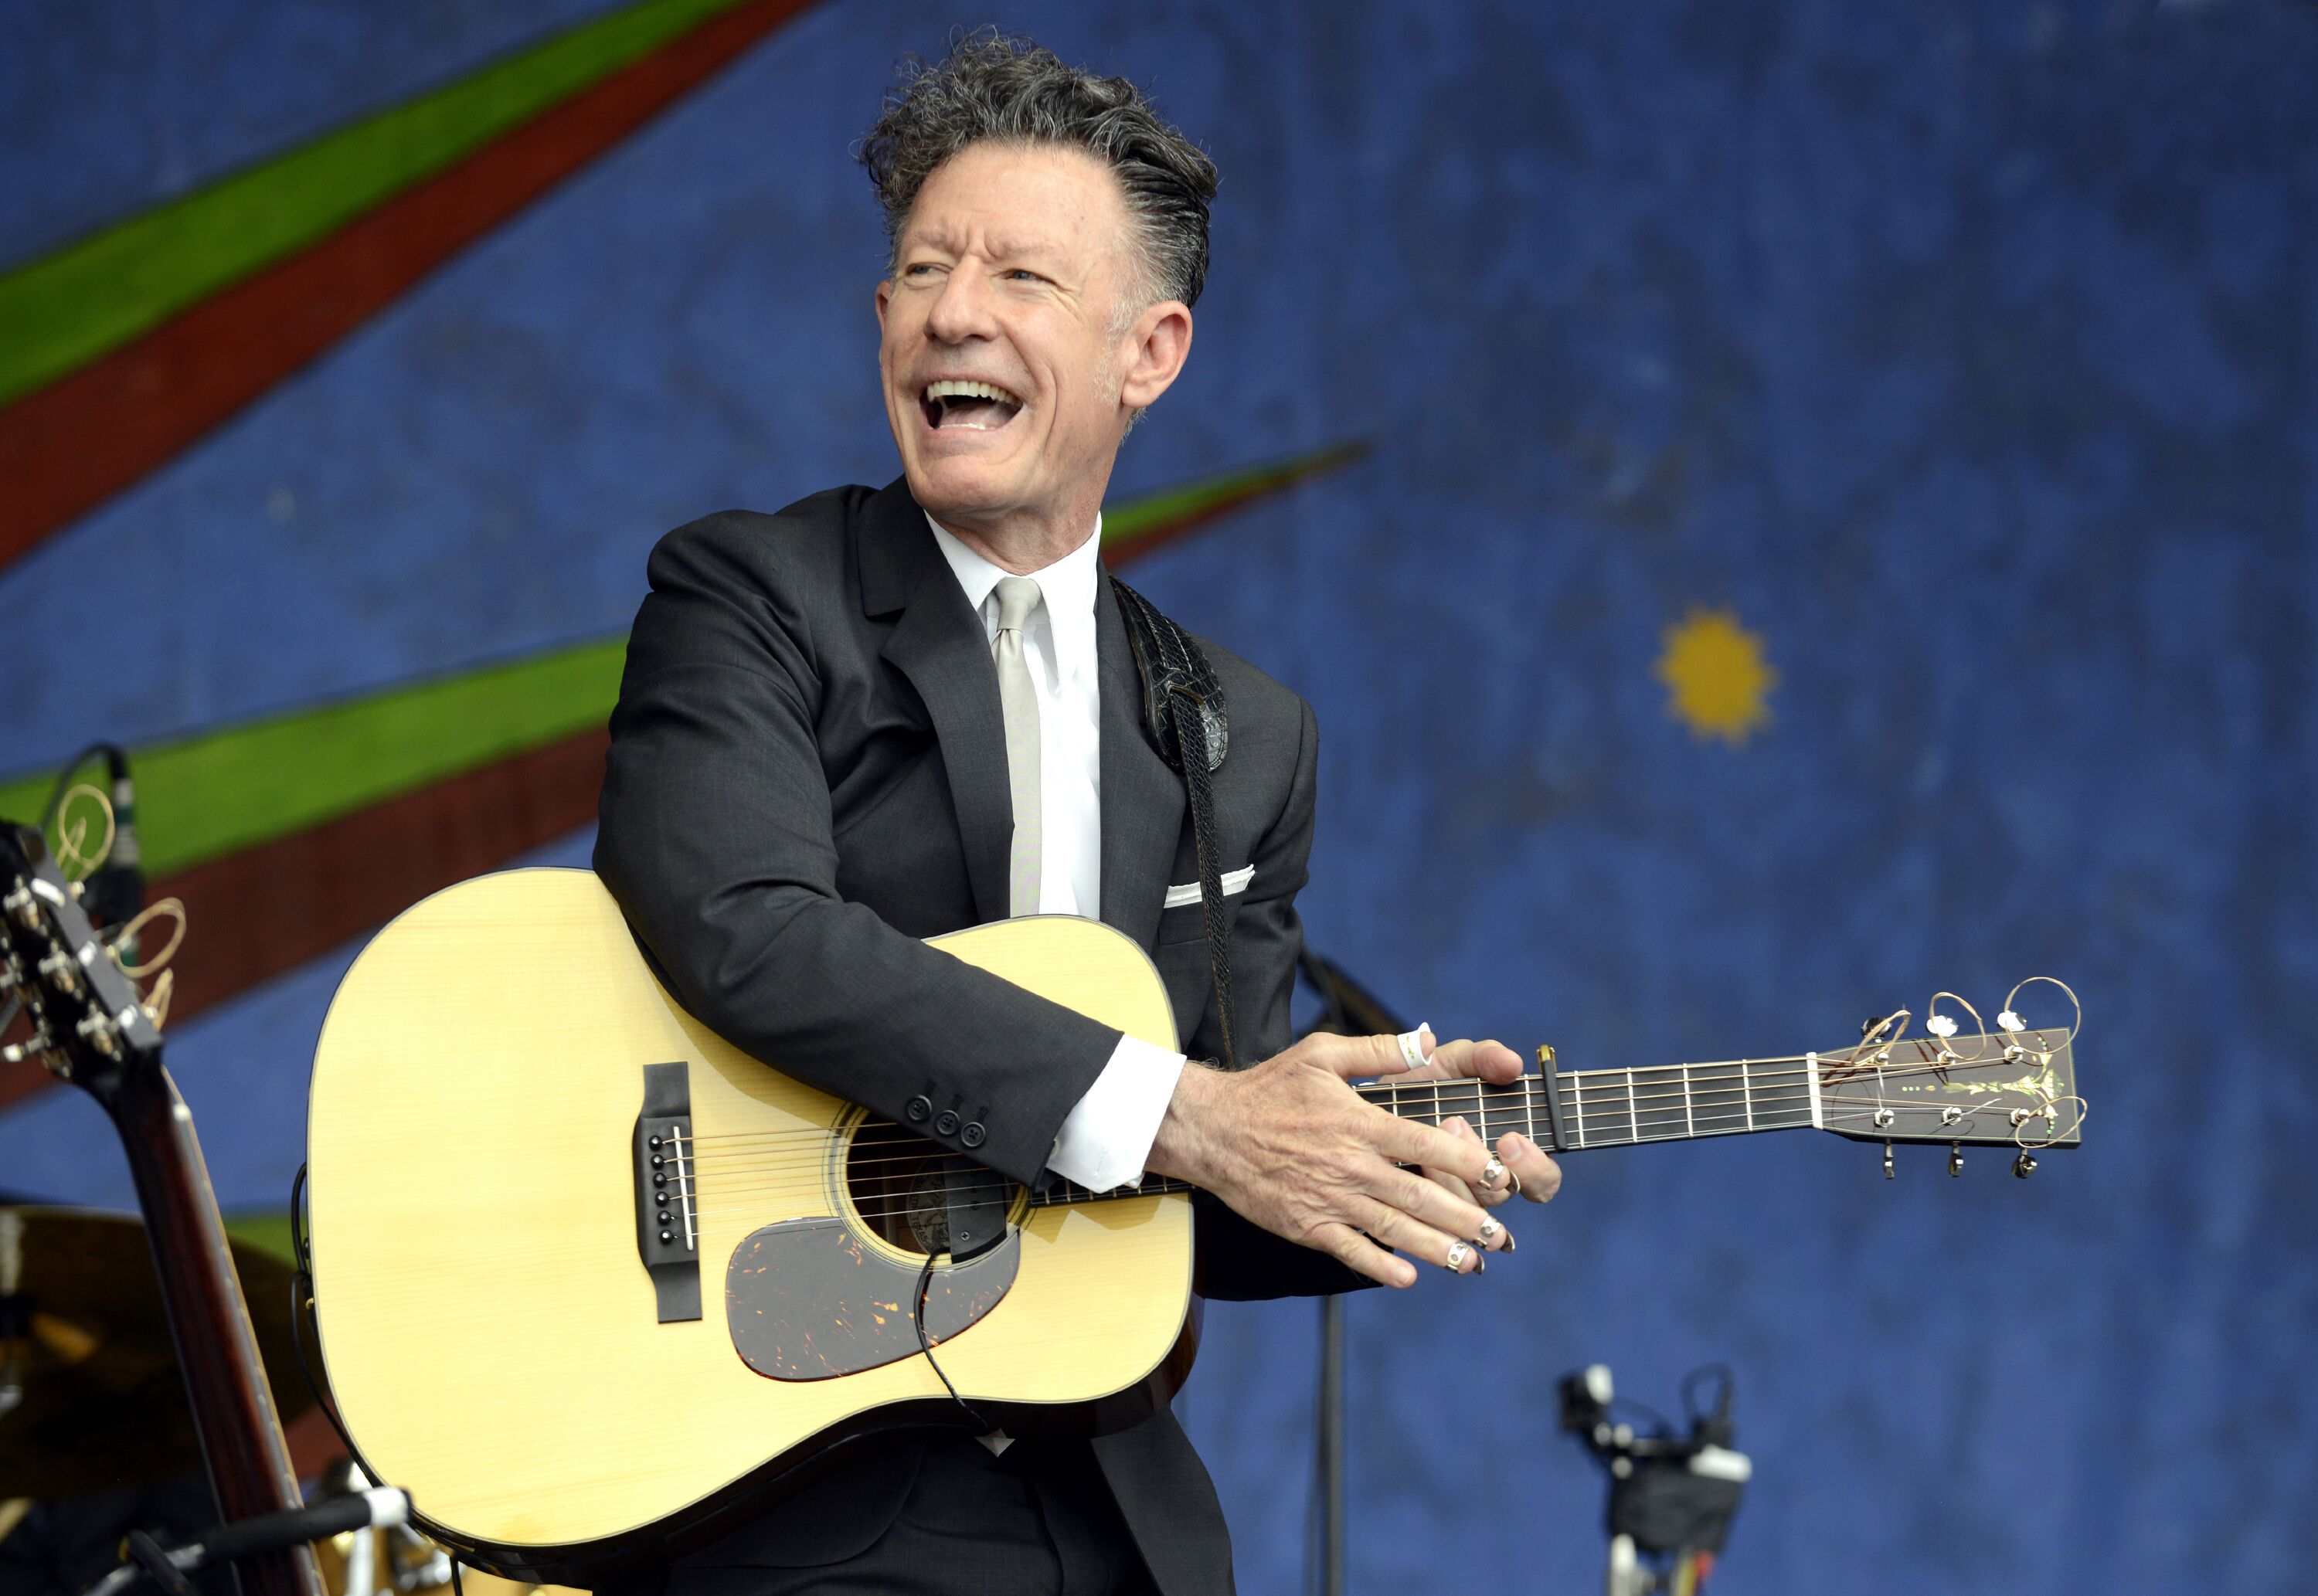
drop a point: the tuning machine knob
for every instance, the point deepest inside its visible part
(1891, 1169)
(1956, 1158)
(2024, 1165)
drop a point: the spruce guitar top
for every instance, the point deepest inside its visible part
(590, 1283)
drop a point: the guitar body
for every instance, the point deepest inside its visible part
(503, 1340)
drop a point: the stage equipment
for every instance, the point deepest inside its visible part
(370, 1561)
(90, 1025)
(1672, 1497)
(664, 1278)
(266, 1535)
(85, 1354)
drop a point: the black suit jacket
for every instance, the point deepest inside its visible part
(807, 776)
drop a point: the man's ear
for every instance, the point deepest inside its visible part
(1158, 345)
(885, 294)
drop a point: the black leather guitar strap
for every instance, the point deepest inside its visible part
(1183, 716)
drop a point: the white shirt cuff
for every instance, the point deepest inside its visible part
(1106, 1138)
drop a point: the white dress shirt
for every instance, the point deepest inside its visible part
(1106, 1138)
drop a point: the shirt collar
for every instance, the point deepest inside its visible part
(1067, 588)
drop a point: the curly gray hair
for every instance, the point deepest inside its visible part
(993, 86)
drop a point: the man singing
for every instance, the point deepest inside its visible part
(883, 715)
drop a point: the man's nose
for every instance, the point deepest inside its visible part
(962, 310)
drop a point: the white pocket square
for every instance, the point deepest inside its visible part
(1235, 880)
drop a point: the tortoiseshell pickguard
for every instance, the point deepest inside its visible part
(808, 1299)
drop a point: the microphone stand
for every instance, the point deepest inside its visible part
(1347, 1010)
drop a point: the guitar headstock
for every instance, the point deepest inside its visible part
(2010, 1084)
(86, 1018)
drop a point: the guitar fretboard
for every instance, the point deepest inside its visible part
(1571, 1111)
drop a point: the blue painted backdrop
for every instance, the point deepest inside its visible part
(1965, 352)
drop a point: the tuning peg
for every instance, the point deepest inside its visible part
(1867, 1028)
(1956, 1158)
(1891, 1171)
(2024, 1165)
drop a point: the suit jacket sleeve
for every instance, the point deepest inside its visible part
(716, 841)
(1239, 1261)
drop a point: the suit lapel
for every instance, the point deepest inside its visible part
(1142, 799)
(940, 646)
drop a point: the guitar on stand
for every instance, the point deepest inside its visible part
(667, 1281)
(89, 1023)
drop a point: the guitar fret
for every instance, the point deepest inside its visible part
(1747, 1092)
(1689, 1125)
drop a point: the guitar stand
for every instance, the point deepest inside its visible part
(401, 1560)
(1672, 1498)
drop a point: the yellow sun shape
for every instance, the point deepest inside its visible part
(1717, 683)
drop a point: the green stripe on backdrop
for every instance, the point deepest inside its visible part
(1174, 508)
(211, 795)
(60, 312)
(267, 1229)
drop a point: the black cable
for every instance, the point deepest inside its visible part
(116, 761)
(146, 1553)
(1691, 1381)
(918, 1318)
(301, 1303)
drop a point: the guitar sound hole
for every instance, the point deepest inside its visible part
(900, 1184)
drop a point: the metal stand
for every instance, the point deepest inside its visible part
(1348, 1009)
(1329, 1477)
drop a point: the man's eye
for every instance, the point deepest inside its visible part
(1023, 275)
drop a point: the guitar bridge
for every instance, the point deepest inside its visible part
(668, 1211)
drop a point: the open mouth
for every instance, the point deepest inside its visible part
(952, 405)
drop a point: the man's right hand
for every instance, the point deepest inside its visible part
(1291, 1147)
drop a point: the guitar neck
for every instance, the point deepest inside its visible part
(1571, 1111)
(208, 1322)
(1574, 1111)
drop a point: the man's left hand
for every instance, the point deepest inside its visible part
(1533, 1174)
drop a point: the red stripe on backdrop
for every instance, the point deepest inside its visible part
(69, 447)
(256, 914)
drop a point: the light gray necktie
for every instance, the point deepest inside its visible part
(1016, 597)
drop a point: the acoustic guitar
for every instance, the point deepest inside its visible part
(591, 1283)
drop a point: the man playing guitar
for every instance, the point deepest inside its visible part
(879, 716)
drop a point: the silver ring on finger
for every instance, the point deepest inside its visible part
(1493, 1171)
(1489, 1228)
(1455, 1261)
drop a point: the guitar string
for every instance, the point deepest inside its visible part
(1579, 1082)
(1841, 1065)
(1397, 1084)
(1724, 1124)
(1458, 1099)
(1695, 1091)
(730, 1165)
(1591, 1122)
(886, 1211)
(1456, 1095)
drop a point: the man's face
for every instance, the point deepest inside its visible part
(1001, 366)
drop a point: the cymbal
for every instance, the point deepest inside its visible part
(101, 1404)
